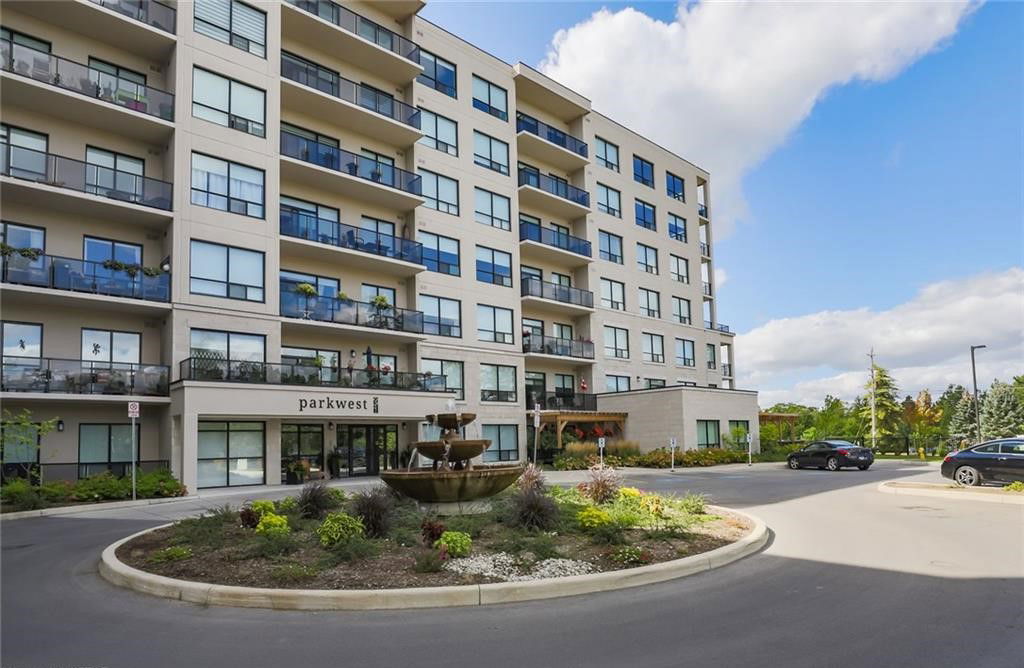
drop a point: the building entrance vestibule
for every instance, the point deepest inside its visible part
(365, 449)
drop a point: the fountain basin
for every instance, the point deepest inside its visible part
(460, 451)
(452, 487)
(451, 421)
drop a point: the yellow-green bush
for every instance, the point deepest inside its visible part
(592, 517)
(272, 524)
(339, 528)
(455, 543)
(262, 507)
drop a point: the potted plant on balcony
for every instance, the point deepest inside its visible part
(376, 174)
(352, 167)
(305, 289)
(372, 375)
(380, 304)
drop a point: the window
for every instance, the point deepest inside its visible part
(607, 154)
(676, 227)
(685, 383)
(616, 342)
(609, 200)
(102, 250)
(504, 442)
(494, 323)
(643, 171)
(107, 173)
(227, 102)
(438, 73)
(233, 23)
(652, 383)
(493, 266)
(441, 192)
(498, 383)
(707, 434)
(302, 444)
(680, 268)
(210, 344)
(368, 292)
(28, 163)
(17, 235)
(227, 186)
(226, 271)
(230, 454)
(681, 310)
(738, 430)
(613, 294)
(527, 272)
(616, 383)
(566, 382)
(490, 152)
(490, 98)
(675, 187)
(611, 246)
(565, 280)
(109, 348)
(533, 327)
(650, 303)
(647, 258)
(712, 353)
(450, 369)
(439, 132)
(684, 353)
(654, 347)
(117, 72)
(492, 209)
(304, 361)
(22, 339)
(106, 447)
(562, 331)
(21, 39)
(440, 253)
(324, 286)
(645, 215)
(441, 316)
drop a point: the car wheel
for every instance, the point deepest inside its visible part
(864, 468)
(832, 464)
(967, 476)
(794, 464)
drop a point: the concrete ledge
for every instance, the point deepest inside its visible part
(937, 490)
(117, 572)
(91, 507)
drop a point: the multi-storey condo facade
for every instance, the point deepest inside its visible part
(291, 230)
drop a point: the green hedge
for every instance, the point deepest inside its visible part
(662, 459)
(100, 487)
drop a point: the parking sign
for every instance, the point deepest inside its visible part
(600, 442)
(133, 409)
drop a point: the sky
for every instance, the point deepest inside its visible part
(867, 162)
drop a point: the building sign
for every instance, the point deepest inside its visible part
(341, 405)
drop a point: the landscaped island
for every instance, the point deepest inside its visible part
(373, 539)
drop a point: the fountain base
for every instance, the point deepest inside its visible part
(447, 488)
(447, 509)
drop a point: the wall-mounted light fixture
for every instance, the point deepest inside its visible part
(330, 425)
(60, 425)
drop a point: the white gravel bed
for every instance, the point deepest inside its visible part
(504, 566)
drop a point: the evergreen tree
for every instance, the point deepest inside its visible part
(962, 426)
(888, 410)
(947, 404)
(1002, 414)
(1018, 388)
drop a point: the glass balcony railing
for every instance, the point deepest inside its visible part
(304, 225)
(702, 210)
(528, 177)
(150, 12)
(553, 135)
(707, 288)
(553, 238)
(560, 400)
(705, 249)
(79, 78)
(240, 371)
(61, 172)
(338, 160)
(351, 22)
(295, 304)
(312, 75)
(65, 376)
(534, 287)
(726, 369)
(551, 345)
(64, 273)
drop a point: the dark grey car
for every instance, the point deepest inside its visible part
(832, 455)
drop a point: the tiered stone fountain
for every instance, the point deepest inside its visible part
(452, 485)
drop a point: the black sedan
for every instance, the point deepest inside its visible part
(995, 461)
(832, 455)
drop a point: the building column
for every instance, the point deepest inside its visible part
(189, 451)
(272, 452)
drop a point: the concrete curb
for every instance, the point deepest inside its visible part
(92, 507)
(117, 572)
(945, 492)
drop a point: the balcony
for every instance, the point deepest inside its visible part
(702, 210)
(336, 170)
(556, 297)
(305, 235)
(535, 89)
(550, 145)
(36, 80)
(63, 376)
(549, 244)
(386, 321)
(351, 38)
(705, 249)
(540, 191)
(265, 373)
(311, 89)
(727, 370)
(719, 327)
(551, 346)
(560, 400)
(706, 288)
(712, 365)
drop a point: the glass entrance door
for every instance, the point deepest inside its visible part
(366, 449)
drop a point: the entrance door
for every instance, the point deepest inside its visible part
(367, 449)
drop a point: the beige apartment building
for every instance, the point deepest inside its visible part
(291, 230)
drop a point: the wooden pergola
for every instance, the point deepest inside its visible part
(559, 419)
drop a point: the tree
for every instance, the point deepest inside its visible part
(887, 407)
(947, 404)
(1002, 413)
(1018, 388)
(962, 426)
(21, 436)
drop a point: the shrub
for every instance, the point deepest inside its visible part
(338, 495)
(543, 547)
(625, 450)
(580, 449)
(374, 507)
(315, 500)
(630, 555)
(570, 463)
(248, 517)
(531, 508)
(608, 534)
(591, 517)
(1016, 486)
(202, 531)
(58, 491)
(656, 459)
(404, 537)
(292, 573)
(532, 479)
(428, 561)
(339, 528)
(262, 507)
(273, 545)
(287, 505)
(158, 484)
(173, 553)
(353, 549)
(22, 495)
(272, 524)
(102, 487)
(603, 484)
(693, 504)
(431, 530)
(455, 543)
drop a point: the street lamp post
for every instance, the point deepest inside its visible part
(974, 376)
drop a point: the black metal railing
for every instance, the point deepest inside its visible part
(561, 400)
(552, 186)
(702, 210)
(726, 369)
(686, 361)
(347, 311)
(312, 75)
(66, 376)
(151, 13)
(507, 396)
(79, 78)
(304, 225)
(723, 328)
(705, 249)
(552, 345)
(708, 324)
(351, 22)
(266, 373)
(534, 287)
(707, 288)
(63, 273)
(712, 364)
(553, 238)
(61, 172)
(525, 122)
(339, 160)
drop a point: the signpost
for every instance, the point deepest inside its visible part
(600, 449)
(672, 446)
(750, 452)
(536, 431)
(133, 413)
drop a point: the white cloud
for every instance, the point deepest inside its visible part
(725, 83)
(924, 342)
(720, 277)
